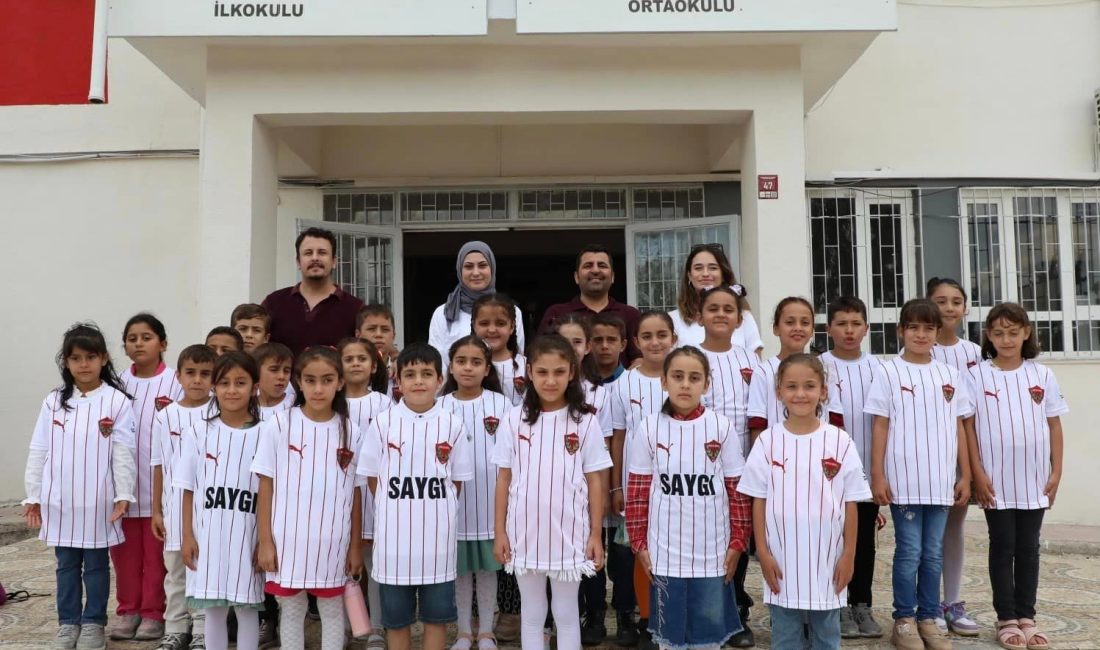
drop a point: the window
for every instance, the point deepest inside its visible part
(364, 267)
(668, 203)
(573, 203)
(363, 208)
(659, 257)
(454, 206)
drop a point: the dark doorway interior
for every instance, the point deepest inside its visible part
(535, 267)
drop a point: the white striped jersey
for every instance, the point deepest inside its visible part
(923, 403)
(599, 398)
(807, 480)
(169, 426)
(689, 510)
(282, 407)
(78, 489)
(746, 336)
(417, 458)
(1010, 418)
(962, 355)
(850, 381)
(363, 410)
(548, 518)
(513, 378)
(731, 376)
(481, 418)
(764, 401)
(634, 397)
(314, 487)
(151, 394)
(215, 466)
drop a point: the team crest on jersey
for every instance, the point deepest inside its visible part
(161, 401)
(948, 392)
(443, 452)
(491, 424)
(746, 374)
(713, 448)
(572, 443)
(830, 467)
(1037, 394)
(106, 427)
(343, 457)
(520, 383)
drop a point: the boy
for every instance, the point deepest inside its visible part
(253, 323)
(194, 372)
(223, 338)
(273, 389)
(375, 323)
(849, 370)
(414, 456)
(608, 343)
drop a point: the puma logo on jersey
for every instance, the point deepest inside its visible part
(637, 402)
(174, 434)
(776, 463)
(909, 389)
(995, 394)
(523, 438)
(665, 448)
(395, 447)
(58, 423)
(971, 364)
(297, 450)
(213, 457)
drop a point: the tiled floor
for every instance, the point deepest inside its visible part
(1069, 597)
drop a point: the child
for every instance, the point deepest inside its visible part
(416, 456)
(362, 363)
(472, 393)
(608, 344)
(962, 355)
(273, 391)
(849, 371)
(917, 446)
(309, 538)
(219, 529)
(139, 561)
(1015, 450)
(635, 396)
(80, 481)
(805, 477)
(543, 493)
(223, 338)
(194, 372)
(494, 320)
(700, 523)
(375, 323)
(253, 323)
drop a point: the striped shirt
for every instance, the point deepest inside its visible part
(151, 394)
(169, 426)
(481, 418)
(731, 376)
(513, 378)
(765, 409)
(850, 381)
(363, 410)
(634, 397)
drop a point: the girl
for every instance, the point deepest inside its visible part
(494, 320)
(139, 561)
(707, 267)
(310, 536)
(472, 392)
(576, 329)
(219, 529)
(80, 480)
(961, 355)
(550, 452)
(689, 527)
(366, 385)
(1015, 445)
(805, 477)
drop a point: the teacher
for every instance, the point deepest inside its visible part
(706, 267)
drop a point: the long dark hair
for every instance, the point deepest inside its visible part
(587, 369)
(690, 301)
(379, 374)
(85, 336)
(686, 351)
(154, 324)
(228, 361)
(575, 399)
(340, 400)
(509, 306)
(491, 380)
(1010, 312)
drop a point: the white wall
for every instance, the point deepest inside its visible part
(1076, 502)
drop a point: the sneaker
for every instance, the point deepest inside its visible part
(269, 635)
(849, 629)
(149, 630)
(942, 624)
(174, 641)
(92, 637)
(593, 629)
(198, 642)
(376, 641)
(868, 626)
(125, 627)
(905, 636)
(745, 638)
(66, 637)
(957, 620)
(933, 637)
(626, 630)
(507, 629)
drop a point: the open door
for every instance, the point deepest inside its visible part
(656, 252)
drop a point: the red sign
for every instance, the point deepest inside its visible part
(46, 47)
(767, 186)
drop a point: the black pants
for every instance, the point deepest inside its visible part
(744, 600)
(507, 593)
(592, 596)
(1014, 561)
(859, 589)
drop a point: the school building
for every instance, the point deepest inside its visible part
(830, 145)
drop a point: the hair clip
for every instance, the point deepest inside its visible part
(738, 289)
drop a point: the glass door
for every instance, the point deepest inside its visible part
(656, 253)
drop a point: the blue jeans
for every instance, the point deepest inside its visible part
(399, 604)
(82, 570)
(787, 627)
(692, 612)
(918, 560)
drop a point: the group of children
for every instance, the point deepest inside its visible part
(247, 479)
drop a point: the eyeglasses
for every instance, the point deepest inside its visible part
(708, 247)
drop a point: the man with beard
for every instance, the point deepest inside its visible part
(315, 311)
(594, 276)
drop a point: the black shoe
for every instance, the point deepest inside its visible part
(645, 637)
(593, 629)
(745, 638)
(626, 634)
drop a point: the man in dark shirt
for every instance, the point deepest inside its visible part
(594, 276)
(315, 311)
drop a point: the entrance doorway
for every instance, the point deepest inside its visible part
(534, 267)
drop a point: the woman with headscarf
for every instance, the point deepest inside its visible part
(707, 266)
(476, 268)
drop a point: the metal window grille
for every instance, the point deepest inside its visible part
(659, 258)
(364, 267)
(428, 206)
(573, 203)
(667, 203)
(362, 208)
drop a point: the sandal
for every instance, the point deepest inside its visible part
(466, 641)
(1010, 636)
(1036, 640)
(486, 641)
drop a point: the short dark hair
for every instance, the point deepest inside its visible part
(847, 304)
(1015, 314)
(227, 331)
(319, 233)
(594, 248)
(271, 350)
(250, 310)
(920, 310)
(420, 353)
(609, 320)
(374, 309)
(197, 353)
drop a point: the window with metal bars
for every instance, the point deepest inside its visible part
(570, 203)
(667, 203)
(361, 208)
(364, 267)
(427, 206)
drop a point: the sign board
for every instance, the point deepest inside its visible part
(767, 186)
(610, 16)
(298, 18)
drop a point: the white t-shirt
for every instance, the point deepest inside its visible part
(634, 398)
(962, 355)
(513, 378)
(151, 394)
(764, 401)
(313, 496)
(689, 510)
(731, 376)
(78, 489)
(441, 335)
(363, 410)
(1010, 417)
(599, 398)
(548, 518)
(746, 336)
(169, 426)
(850, 381)
(923, 403)
(807, 481)
(417, 459)
(282, 407)
(481, 418)
(214, 464)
